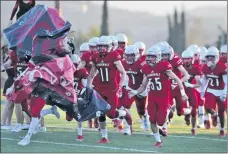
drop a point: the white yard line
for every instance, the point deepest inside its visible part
(89, 130)
(82, 145)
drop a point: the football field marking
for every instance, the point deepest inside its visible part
(82, 145)
(89, 131)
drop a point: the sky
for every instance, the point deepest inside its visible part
(160, 7)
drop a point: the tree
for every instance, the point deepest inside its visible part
(104, 25)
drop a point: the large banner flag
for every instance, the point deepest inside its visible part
(21, 34)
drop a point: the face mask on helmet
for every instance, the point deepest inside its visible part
(165, 56)
(103, 49)
(151, 60)
(130, 58)
(93, 48)
(187, 62)
(211, 60)
(122, 45)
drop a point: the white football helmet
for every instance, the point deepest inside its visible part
(223, 49)
(186, 55)
(84, 47)
(114, 42)
(141, 46)
(166, 49)
(203, 51)
(212, 51)
(153, 51)
(122, 40)
(75, 59)
(131, 54)
(104, 44)
(93, 41)
(195, 49)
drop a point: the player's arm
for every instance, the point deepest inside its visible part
(121, 69)
(141, 89)
(197, 85)
(185, 74)
(204, 83)
(91, 76)
(179, 83)
(224, 92)
(6, 65)
(14, 10)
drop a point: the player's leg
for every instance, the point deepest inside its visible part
(19, 114)
(193, 102)
(142, 111)
(201, 111)
(10, 114)
(51, 110)
(26, 115)
(112, 99)
(80, 136)
(152, 109)
(36, 105)
(210, 107)
(221, 113)
(6, 118)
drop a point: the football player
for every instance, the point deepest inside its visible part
(132, 66)
(87, 51)
(196, 50)
(195, 73)
(223, 54)
(214, 87)
(169, 55)
(108, 65)
(80, 81)
(159, 73)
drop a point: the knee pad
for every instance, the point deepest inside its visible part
(102, 118)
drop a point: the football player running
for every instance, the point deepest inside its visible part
(133, 67)
(87, 50)
(108, 65)
(214, 87)
(203, 117)
(195, 73)
(169, 55)
(159, 73)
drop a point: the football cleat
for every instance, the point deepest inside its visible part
(79, 138)
(17, 128)
(103, 141)
(193, 132)
(116, 122)
(161, 132)
(207, 124)
(165, 132)
(25, 127)
(187, 119)
(222, 133)
(25, 141)
(214, 120)
(158, 144)
(128, 131)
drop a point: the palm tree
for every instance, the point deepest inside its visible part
(104, 25)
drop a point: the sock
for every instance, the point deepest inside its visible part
(32, 126)
(80, 131)
(206, 117)
(193, 128)
(166, 121)
(157, 137)
(222, 129)
(46, 111)
(104, 133)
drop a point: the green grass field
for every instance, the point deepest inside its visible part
(61, 137)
